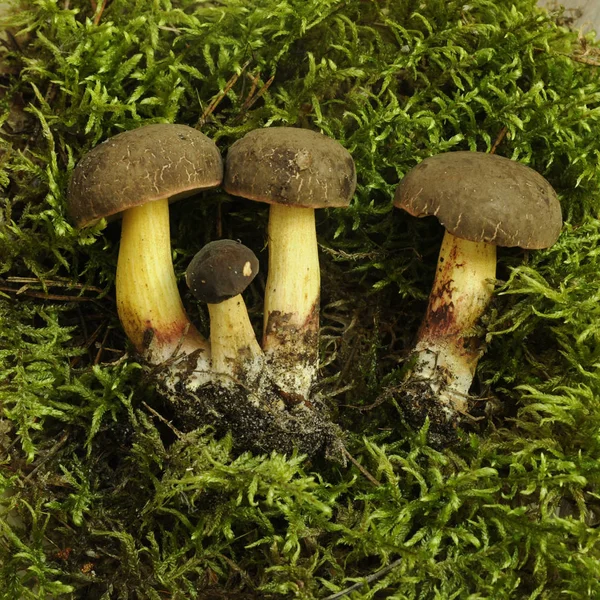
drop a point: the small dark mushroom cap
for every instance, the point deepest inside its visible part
(295, 167)
(483, 198)
(221, 270)
(138, 166)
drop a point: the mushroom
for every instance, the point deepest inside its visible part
(135, 175)
(483, 201)
(295, 171)
(217, 275)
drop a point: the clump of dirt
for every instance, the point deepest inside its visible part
(260, 418)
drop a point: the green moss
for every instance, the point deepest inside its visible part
(105, 498)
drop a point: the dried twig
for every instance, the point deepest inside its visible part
(238, 570)
(361, 468)
(101, 348)
(370, 579)
(254, 79)
(170, 425)
(219, 220)
(499, 139)
(89, 342)
(251, 100)
(49, 455)
(217, 99)
(28, 281)
(386, 395)
(54, 283)
(44, 296)
(99, 12)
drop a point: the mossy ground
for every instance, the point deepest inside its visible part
(106, 499)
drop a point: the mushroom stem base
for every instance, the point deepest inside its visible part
(291, 322)
(235, 351)
(447, 350)
(148, 300)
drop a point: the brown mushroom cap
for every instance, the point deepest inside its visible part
(138, 166)
(483, 198)
(221, 270)
(295, 167)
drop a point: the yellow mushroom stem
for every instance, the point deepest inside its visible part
(291, 319)
(148, 300)
(447, 351)
(234, 349)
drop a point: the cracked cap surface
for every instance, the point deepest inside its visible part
(138, 166)
(290, 166)
(221, 270)
(483, 198)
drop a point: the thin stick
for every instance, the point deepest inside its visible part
(84, 327)
(370, 579)
(99, 13)
(498, 140)
(250, 95)
(219, 221)
(361, 468)
(101, 349)
(34, 294)
(217, 99)
(54, 283)
(48, 456)
(89, 342)
(254, 80)
(261, 92)
(251, 101)
(238, 569)
(172, 427)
